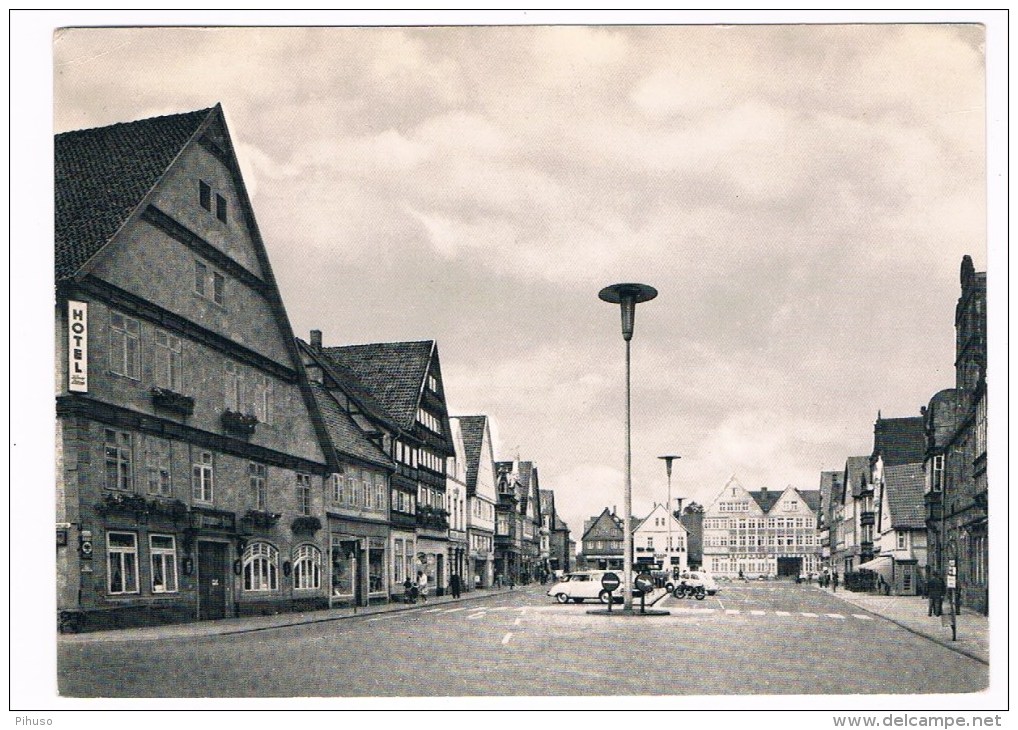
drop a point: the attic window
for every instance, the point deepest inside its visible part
(221, 208)
(432, 384)
(205, 195)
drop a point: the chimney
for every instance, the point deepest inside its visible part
(316, 340)
(763, 489)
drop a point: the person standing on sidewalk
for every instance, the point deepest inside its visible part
(935, 589)
(834, 581)
(422, 586)
(454, 585)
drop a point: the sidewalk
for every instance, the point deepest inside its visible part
(910, 612)
(247, 624)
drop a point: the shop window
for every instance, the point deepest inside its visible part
(376, 565)
(121, 562)
(398, 572)
(163, 549)
(119, 466)
(344, 566)
(125, 351)
(261, 567)
(201, 478)
(307, 568)
(157, 466)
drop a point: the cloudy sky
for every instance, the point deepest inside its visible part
(800, 196)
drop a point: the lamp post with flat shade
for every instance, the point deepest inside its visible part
(628, 295)
(669, 458)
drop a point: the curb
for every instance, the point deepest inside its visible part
(936, 640)
(82, 638)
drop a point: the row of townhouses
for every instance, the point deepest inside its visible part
(660, 540)
(749, 534)
(917, 503)
(210, 463)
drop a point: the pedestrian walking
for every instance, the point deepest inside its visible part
(935, 589)
(422, 586)
(834, 582)
(454, 585)
(409, 591)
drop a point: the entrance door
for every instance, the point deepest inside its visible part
(789, 567)
(211, 580)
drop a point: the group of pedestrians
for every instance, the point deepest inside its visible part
(417, 590)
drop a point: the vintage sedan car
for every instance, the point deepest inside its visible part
(585, 584)
(695, 578)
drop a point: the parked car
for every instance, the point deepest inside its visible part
(695, 578)
(586, 584)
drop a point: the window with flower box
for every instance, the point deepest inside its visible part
(119, 460)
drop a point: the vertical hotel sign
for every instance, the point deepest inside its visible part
(77, 346)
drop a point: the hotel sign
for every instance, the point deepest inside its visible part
(77, 347)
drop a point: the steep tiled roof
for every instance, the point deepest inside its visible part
(393, 371)
(559, 523)
(102, 174)
(472, 428)
(829, 481)
(905, 485)
(900, 440)
(811, 497)
(857, 473)
(766, 499)
(347, 439)
(603, 527)
(347, 381)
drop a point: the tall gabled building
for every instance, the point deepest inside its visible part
(395, 390)
(761, 532)
(481, 499)
(189, 466)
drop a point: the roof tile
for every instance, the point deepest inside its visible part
(102, 174)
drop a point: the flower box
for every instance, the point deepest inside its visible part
(170, 401)
(239, 423)
(306, 525)
(259, 518)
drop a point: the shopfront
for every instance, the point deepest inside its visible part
(432, 559)
(358, 563)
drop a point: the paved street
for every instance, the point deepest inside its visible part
(769, 638)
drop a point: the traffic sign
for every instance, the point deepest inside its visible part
(644, 583)
(610, 582)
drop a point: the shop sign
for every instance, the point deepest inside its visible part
(77, 347)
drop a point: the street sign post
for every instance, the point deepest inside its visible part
(610, 582)
(644, 583)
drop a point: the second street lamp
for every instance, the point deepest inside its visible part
(628, 296)
(669, 458)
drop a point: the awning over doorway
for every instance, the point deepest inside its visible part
(882, 564)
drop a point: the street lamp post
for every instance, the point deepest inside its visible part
(628, 295)
(668, 459)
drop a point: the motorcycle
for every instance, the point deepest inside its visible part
(684, 590)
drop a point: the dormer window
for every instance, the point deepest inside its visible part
(221, 208)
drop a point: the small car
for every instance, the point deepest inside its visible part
(586, 584)
(695, 578)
